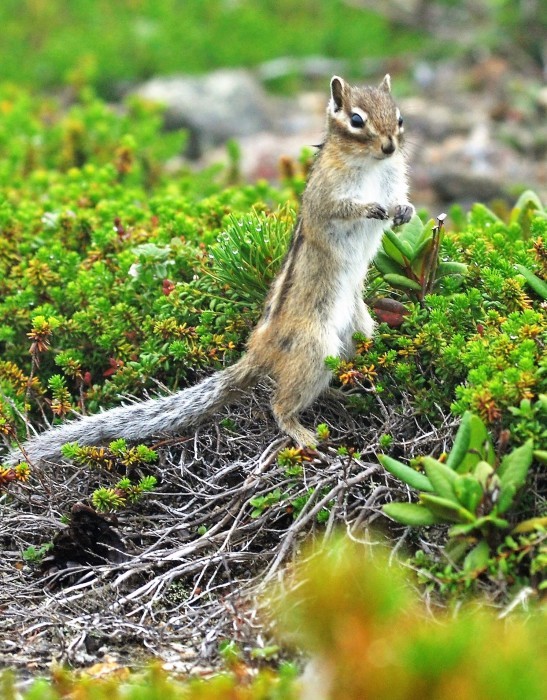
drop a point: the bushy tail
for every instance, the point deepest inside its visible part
(137, 422)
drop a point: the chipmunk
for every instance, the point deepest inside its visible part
(357, 184)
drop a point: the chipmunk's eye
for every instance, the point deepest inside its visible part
(400, 122)
(357, 121)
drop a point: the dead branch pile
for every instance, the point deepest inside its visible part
(190, 561)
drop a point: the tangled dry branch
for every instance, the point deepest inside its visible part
(196, 553)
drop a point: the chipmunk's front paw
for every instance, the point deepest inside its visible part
(376, 211)
(402, 214)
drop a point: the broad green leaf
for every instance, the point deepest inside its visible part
(423, 247)
(530, 525)
(461, 442)
(480, 446)
(477, 558)
(483, 473)
(506, 497)
(393, 252)
(515, 465)
(410, 514)
(486, 476)
(386, 265)
(412, 232)
(405, 473)
(468, 491)
(427, 232)
(401, 281)
(538, 285)
(441, 477)
(399, 243)
(438, 283)
(445, 509)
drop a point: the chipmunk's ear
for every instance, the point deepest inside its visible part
(385, 85)
(338, 88)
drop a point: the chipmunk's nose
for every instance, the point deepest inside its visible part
(388, 146)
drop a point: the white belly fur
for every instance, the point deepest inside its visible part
(359, 243)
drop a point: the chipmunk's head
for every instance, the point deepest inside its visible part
(365, 118)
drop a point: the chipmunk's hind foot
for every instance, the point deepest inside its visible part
(295, 430)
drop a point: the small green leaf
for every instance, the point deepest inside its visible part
(477, 558)
(410, 514)
(405, 473)
(386, 265)
(441, 477)
(461, 442)
(488, 520)
(541, 456)
(530, 525)
(485, 523)
(515, 465)
(538, 285)
(481, 211)
(461, 530)
(401, 281)
(399, 243)
(446, 510)
(527, 207)
(268, 652)
(527, 198)
(393, 253)
(456, 548)
(468, 491)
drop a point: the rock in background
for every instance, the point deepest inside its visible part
(213, 108)
(475, 131)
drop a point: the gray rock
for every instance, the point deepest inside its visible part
(455, 183)
(213, 108)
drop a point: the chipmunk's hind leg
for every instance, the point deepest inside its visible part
(363, 321)
(297, 388)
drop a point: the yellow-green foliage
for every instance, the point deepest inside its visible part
(364, 623)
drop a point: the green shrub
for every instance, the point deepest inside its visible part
(410, 260)
(114, 274)
(479, 343)
(477, 494)
(372, 639)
